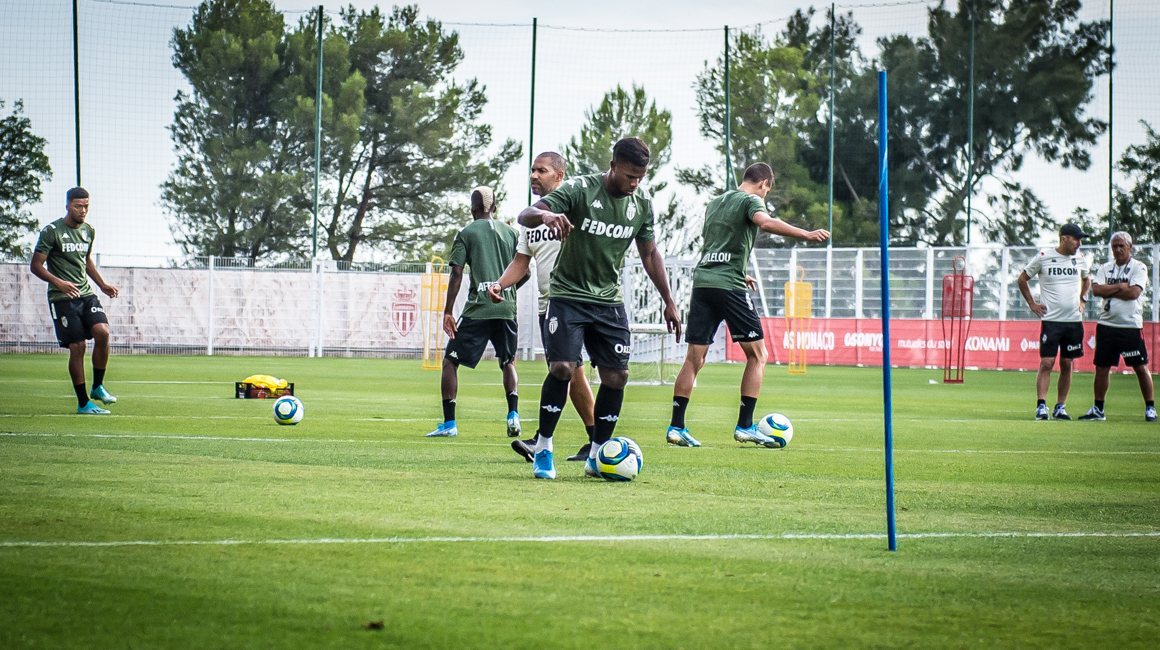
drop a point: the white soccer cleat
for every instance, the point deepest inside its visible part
(756, 437)
(1041, 412)
(681, 438)
(1150, 414)
(513, 425)
(1094, 413)
(445, 430)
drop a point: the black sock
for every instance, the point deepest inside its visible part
(1100, 404)
(1148, 402)
(591, 430)
(513, 399)
(1041, 402)
(553, 397)
(745, 415)
(679, 406)
(607, 412)
(82, 396)
(448, 410)
(98, 377)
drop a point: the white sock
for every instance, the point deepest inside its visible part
(543, 442)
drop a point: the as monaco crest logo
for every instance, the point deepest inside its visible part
(404, 311)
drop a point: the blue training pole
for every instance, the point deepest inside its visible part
(884, 246)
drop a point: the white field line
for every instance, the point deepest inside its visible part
(860, 450)
(555, 539)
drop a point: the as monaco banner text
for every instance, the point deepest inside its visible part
(991, 344)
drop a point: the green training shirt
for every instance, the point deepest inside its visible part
(590, 260)
(728, 239)
(486, 246)
(68, 253)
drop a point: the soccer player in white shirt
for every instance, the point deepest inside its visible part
(543, 245)
(1063, 281)
(1119, 332)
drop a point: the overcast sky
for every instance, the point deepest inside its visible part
(128, 84)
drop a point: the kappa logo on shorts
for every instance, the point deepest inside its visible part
(751, 334)
(453, 354)
(552, 325)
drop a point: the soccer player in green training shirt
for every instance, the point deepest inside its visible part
(719, 294)
(77, 314)
(595, 216)
(486, 246)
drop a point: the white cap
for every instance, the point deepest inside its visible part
(487, 196)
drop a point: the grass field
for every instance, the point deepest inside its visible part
(189, 519)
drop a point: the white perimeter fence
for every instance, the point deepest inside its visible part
(228, 306)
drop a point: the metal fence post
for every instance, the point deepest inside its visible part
(1155, 283)
(318, 322)
(858, 258)
(793, 264)
(928, 309)
(829, 279)
(1004, 281)
(209, 325)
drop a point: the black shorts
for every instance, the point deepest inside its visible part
(544, 340)
(602, 329)
(74, 318)
(1115, 342)
(471, 337)
(709, 307)
(1065, 339)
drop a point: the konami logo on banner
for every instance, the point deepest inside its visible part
(808, 341)
(989, 343)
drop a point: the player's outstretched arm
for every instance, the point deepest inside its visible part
(775, 226)
(37, 267)
(453, 283)
(540, 214)
(95, 273)
(514, 275)
(654, 265)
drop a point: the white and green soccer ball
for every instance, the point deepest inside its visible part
(619, 459)
(288, 410)
(778, 427)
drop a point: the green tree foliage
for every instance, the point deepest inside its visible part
(237, 187)
(1138, 208)
(23, 166)
(402, 143)
(622, 114)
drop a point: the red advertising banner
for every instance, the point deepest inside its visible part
(991, 344)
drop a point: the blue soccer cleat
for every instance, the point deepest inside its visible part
(681, 438)
(513, 424)
(590, 469)
(445, 430)
(92, 409)
(101, 395)
(542, 466)
(756, 437)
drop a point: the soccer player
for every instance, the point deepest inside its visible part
(1119, 332)
(595, 216)
(720, 294)
(1063, 281)
(486, 246)
(77, 315)
(543, 245)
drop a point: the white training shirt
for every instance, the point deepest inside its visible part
(542, 245)
(1060, 284)
(1117, 312)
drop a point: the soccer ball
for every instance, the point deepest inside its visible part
(619, 459)
(778, 427)
(288, 410)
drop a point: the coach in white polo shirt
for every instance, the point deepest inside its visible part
(1063, 281)
(1120, 330)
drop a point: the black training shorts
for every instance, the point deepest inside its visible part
(471, 337)
(544, 340)
(572, 325)
(709, 307)
(1064, 339)
(1115, 342)
(73, 318)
